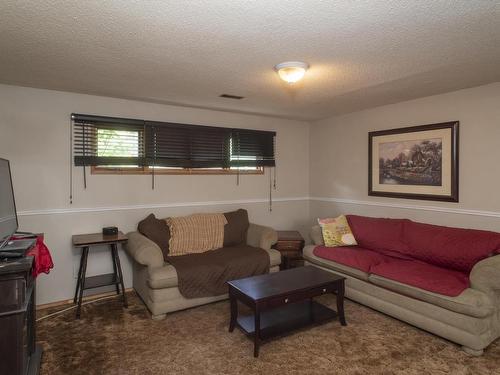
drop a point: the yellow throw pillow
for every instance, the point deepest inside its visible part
(336, 232)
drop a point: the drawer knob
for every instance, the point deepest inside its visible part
(324, 290)
(286, 300)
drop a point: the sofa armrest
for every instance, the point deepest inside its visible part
(485, 275)
(316, 235)
(143, 250)
(261, 236)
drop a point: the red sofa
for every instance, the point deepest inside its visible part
(455, 270)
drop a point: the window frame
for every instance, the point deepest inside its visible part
(110, 170)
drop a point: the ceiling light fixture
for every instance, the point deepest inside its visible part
(291, 71)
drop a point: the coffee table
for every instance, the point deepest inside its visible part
(283, 301)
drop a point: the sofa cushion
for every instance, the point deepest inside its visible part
(166, 276)
(308, 255)
(157, 231)
(235, 231)
(381, 235)
(424, 276)
(352, 256)
(470, 302)
(455, 248)
(274, 257)
(163, 277)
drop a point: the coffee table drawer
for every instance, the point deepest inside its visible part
(299, 296)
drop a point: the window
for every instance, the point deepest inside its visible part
(126, 146)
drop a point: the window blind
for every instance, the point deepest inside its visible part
(102, 141)
(108, 141)
(252, 148)
(187, 146)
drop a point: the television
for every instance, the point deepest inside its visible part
(8, 215)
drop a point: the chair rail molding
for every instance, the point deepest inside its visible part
(77, 210)
(402, 206)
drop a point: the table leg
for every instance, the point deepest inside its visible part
(79, 279)
(340, 303)
(256, 335)
(119, 269)
(234, 311)
(117, 286)
(85, 254)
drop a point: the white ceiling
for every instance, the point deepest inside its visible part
(362, 53)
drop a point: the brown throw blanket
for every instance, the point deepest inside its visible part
(206, 274)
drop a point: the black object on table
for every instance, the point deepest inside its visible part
(85, 241)
(19, 353)
(283, 301)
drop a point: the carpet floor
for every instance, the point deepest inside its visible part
(112, 340)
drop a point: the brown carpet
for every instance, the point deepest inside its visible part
(112, 340)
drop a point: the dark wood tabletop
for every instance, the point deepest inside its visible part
(289, 235)
(284, 282)
(83, 240)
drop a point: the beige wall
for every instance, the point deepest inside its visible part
(326, 161)
(34, 128)
(339, 159)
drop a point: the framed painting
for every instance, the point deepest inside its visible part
(418, 162)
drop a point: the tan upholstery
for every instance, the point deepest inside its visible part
(143, 250)
(316, 235)
(485, 276)
(261, 236)
(156, 281)
(471, 319)
(470, 302)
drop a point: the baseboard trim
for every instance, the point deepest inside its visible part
(62, 211)
(448, 210)
(84, 299)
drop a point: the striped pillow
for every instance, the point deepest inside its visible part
(196, 233)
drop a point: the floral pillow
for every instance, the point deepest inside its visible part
(336, 232)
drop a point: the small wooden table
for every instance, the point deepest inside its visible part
(84, 241)
(290, 244)
(282, 301)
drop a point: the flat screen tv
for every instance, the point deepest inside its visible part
(8, 216)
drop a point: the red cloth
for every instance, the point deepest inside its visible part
(42, 261)
(431, 257)
(424, 276)
(352, 256)
(454, 248)
(383, 235)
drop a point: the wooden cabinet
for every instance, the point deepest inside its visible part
(290, 245)
(19, 353)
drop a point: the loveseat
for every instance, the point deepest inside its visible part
(443, 280)
(156, 281)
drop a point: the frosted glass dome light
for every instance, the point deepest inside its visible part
(291, 71)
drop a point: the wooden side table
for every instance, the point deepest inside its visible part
(290, 245)
(85, 241)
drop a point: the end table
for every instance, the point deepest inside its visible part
(85, 241)
(290, 244)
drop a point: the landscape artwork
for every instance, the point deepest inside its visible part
(418, 162)
(414, 162)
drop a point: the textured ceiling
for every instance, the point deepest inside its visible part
(362, 53)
